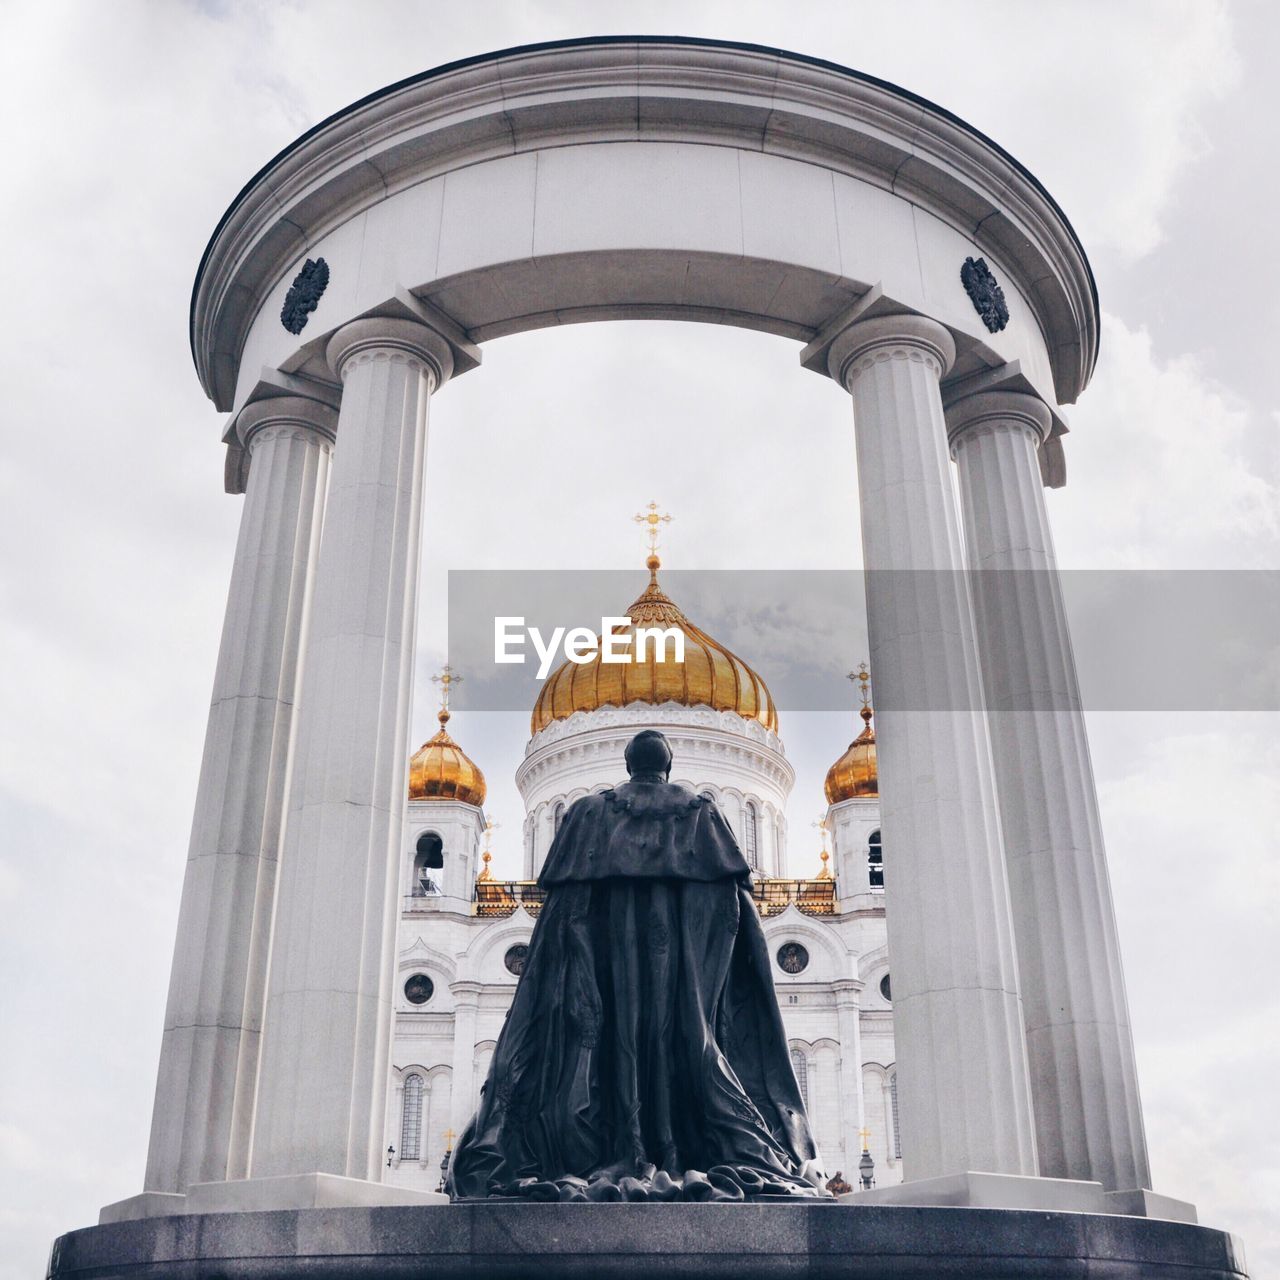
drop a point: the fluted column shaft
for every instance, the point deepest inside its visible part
(213, 1019)
(964, 1097)
(1083, 1079)
(325, 1057)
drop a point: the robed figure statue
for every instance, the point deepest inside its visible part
(644, 1055)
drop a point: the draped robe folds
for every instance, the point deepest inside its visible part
(644, 1056)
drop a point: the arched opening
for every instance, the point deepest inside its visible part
(875, 860)
(895, 1139)
(800, 1065)
(411, 1118)
(428, 857)
(558, 817)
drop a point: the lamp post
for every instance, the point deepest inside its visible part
(391, 1155)
(866, 1165)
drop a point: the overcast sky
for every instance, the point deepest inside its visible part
(128, 128)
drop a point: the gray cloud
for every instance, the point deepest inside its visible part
(129, 128)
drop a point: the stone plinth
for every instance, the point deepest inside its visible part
(600, 1241)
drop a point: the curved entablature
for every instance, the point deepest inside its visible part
(641, 177)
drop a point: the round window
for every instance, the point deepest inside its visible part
(419, 989)
(792, 958)
(884, 988)
(515, 958)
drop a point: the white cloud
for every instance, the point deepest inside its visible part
(1160, 468)
(130, 128)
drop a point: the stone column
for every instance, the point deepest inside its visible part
(963, 1091)
(208, 1057)
(466, 996)
(325, 1057)
(1083, 1081)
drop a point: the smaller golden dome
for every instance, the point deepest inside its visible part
(441, 770)
(855, 774)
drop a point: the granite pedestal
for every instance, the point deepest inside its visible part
(601, 1241)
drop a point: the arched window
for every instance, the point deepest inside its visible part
(411, 1118)
(428, 857)
(557, 817)
(893, 1114)
(875, 860)
(800, 1065)
(751, 835)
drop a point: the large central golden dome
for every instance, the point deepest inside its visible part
(709, 676)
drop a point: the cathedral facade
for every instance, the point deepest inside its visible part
(463, 935)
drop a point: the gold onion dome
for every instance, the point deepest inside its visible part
(854, 774)
(710, 676)
(441, 770)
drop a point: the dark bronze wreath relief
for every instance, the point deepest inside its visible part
(304, 294)
(985, 294)
(644, 1057)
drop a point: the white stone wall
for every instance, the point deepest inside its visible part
(463, 956)
(459, 827)
(850, 824)
(738, 761)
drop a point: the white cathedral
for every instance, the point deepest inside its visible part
(463, 935)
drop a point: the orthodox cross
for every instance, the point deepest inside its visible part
(446, 679)
(449, 1136)
(862, 677)
(487, 858)
(652, 518)
(865, 1135)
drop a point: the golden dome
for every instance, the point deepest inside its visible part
(441, 770)
(710, 675)
(854, 774)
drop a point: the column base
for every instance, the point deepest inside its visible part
(148, 1204)
(1007, 1191)
(989, 1191)
(248, 1195)
(301, 1191)
(1149, 1204)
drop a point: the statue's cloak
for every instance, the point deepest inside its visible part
(644, 1055)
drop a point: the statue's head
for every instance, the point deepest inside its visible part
(648, 752)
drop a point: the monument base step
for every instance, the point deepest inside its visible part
(681, 1241)
(257, 1195)
(1006, 1191)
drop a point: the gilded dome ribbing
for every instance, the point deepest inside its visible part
(710, 675)
(441, 770)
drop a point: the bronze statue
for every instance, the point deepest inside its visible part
(644, 1056)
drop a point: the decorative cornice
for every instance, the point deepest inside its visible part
(288, 412)
(588, 737)
(642, 89)
(893, 337)
(386, 338)
(998, 410)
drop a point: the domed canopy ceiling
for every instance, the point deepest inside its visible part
(710, 676)
(441, 770)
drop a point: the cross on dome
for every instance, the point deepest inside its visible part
(446, 678)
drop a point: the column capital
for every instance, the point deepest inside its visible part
(1011, 410)
(903, 336)
(389, 337)
(285, 411)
